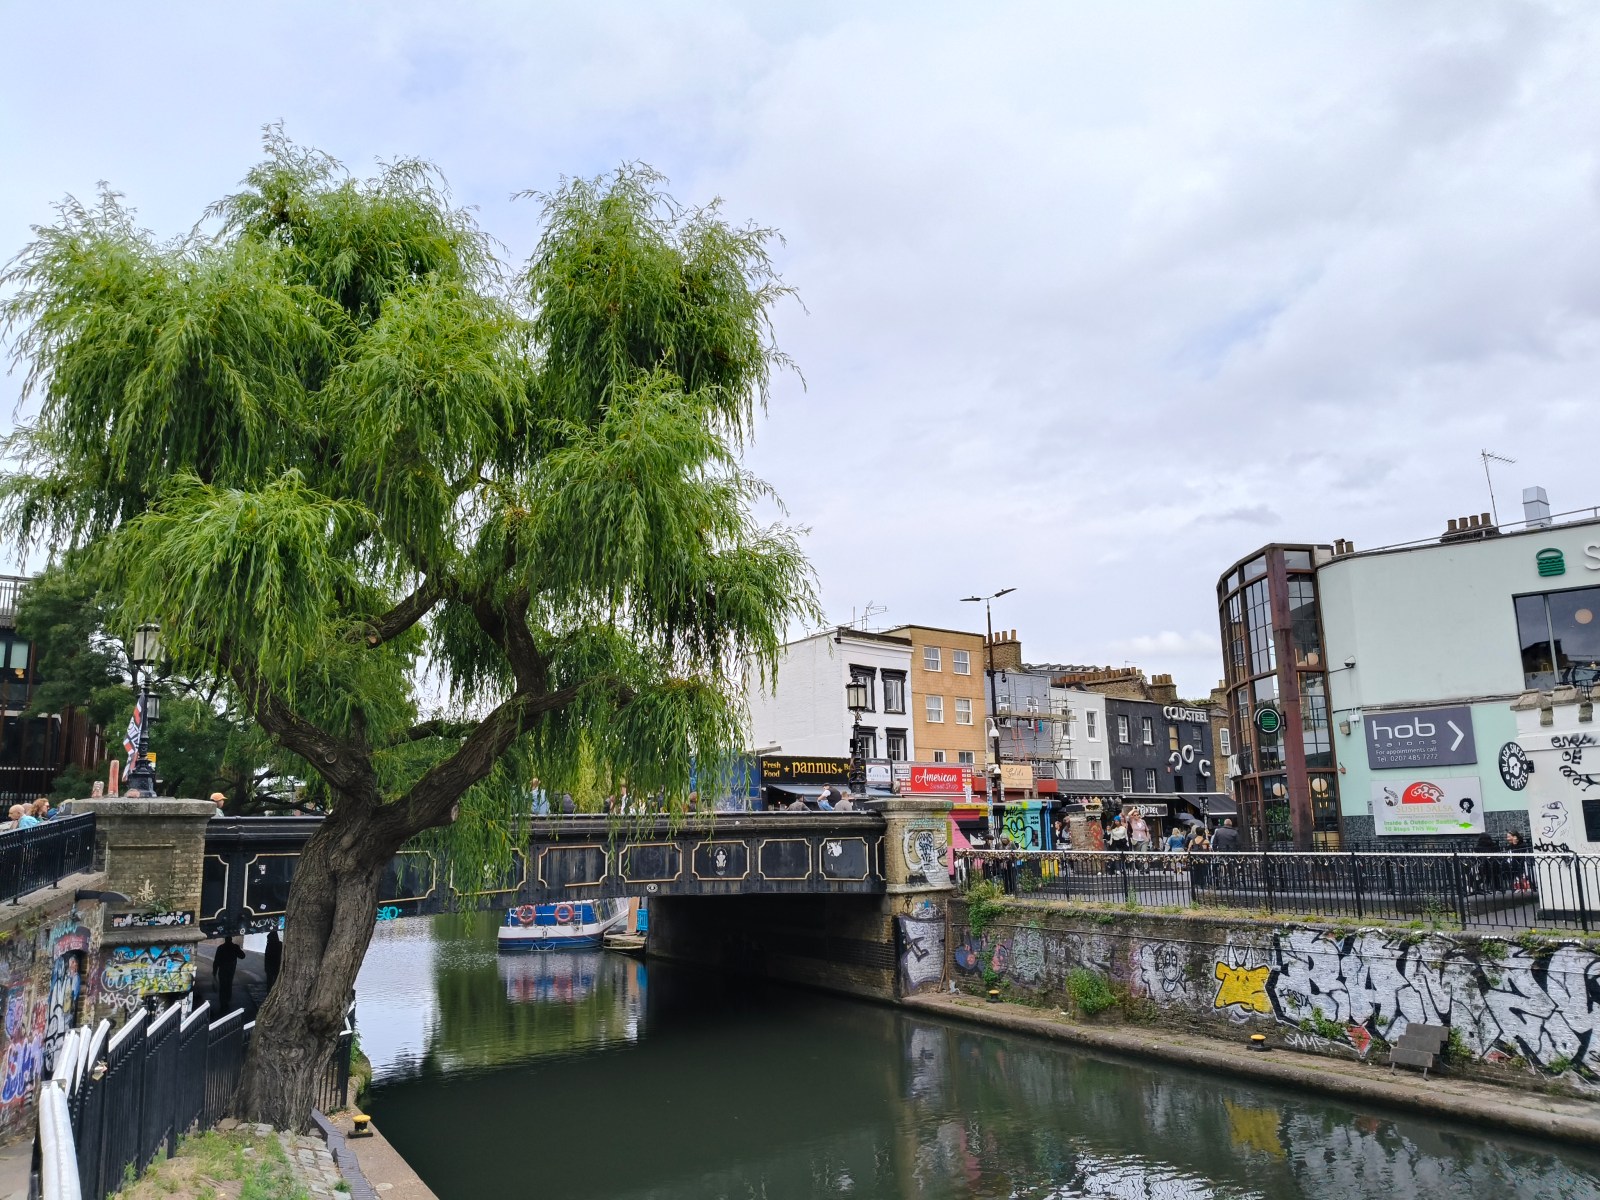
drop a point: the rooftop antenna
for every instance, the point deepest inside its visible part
(1488, 457)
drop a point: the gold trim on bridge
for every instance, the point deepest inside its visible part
(739, 842)
(806, 842)
(605, 863)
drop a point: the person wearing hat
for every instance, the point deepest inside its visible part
(218, 799)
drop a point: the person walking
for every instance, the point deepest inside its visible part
(272, 958)
(223, 964)
(1117, 839)
(1139, 832)
(1227, 838)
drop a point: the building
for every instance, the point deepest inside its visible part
(947, 718)
(1083, 752)
(1371, 691)
(804, 711)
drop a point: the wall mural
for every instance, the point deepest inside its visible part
(131, 973)
(921, 953)
(1354, 991)
(924, 843)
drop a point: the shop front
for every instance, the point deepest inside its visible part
(786, 778)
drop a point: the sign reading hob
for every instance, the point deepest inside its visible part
(1421, 737)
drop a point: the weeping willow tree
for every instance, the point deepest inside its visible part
(438, 525)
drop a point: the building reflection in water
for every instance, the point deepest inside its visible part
(727, 1090)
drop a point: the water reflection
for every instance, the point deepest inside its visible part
(564, 1075)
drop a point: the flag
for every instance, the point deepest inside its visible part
(130, 741)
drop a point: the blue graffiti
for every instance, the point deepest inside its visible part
(388, 912)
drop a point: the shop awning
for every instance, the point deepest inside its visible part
(809, 790)
(1212, 804)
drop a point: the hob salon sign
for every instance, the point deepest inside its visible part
(1420, 737)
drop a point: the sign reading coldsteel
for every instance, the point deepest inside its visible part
(1422, 737)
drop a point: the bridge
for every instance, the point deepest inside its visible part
(250, 862)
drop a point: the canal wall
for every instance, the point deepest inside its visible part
(1524, 1011)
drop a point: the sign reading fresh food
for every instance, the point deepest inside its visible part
(1421, 737)
(1411, 807)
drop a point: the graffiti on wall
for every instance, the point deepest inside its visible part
(921, 953)
(132, 972)
(150, 920)
(61, 1011)
(924, 844)
(1343, 992)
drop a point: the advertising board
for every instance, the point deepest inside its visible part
(1410, 806)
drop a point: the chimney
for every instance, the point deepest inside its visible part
(1007, 651)
(1536, 508)
(1163, 690)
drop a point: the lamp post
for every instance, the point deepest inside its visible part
(855, 698)
(994, 706)
(146, 653)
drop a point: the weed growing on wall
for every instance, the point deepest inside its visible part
(985, 901)
(1090, 991)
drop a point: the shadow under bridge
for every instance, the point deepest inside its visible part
(250, 863)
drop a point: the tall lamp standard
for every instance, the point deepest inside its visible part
(994, 706)
(855, 698)
(146, 654)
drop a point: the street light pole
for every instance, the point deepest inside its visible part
(146, 653)
(994, 706)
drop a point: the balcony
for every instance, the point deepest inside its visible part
(10, 593)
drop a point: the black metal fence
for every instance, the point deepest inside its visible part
(1518, 891)
(132, 1095)
(45, 854)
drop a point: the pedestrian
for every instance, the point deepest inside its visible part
(272, 959)
(825, 798)
(42, 810)
(1117, 839)
(798, 804)
(218, 800)
(845, 805)
(223, 964)
(1139, 832)
(23, 818)
(1488, 873)
(1516, 863)
(1227, 838)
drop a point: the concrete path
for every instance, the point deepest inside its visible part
(16, 1164)
(1557, 1117)
(390, 1175)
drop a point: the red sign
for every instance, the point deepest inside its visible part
(938, 779)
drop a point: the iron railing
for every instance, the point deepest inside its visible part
(44, 855)
(1519, 891)
(129, 1097)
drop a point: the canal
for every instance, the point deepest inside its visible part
(580, 1075)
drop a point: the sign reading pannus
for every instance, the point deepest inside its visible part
(784, 768)
(1421, 737)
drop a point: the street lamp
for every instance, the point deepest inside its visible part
(146, 653)
(994, 706)
(855, 698)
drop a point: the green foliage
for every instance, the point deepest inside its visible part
(986, 901)
(350, 463)
(1090, 991)
(1559, 1065)
(1456, 1049)
(1322, 1026)
(1493, 949)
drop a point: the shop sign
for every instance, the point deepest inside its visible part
(1408, 806)
(879, 773)
(1269, 720)
(786, 768)
(1550, 562)
(1149, 810)
(1016, 775)
(938, 779)
(1176, 712)
(1421, 737)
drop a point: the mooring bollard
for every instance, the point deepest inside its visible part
(1258, 1041)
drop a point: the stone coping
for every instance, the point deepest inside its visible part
(129, 806)
(28, 907)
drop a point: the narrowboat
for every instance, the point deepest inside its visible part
(569, 925)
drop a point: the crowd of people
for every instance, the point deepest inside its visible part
(26, 816)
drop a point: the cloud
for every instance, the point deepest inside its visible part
(1094, 296)
(1150, 648)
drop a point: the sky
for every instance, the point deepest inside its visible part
(1092, 300)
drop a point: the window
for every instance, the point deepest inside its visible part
(1127, 779)
(930, 658)
(897, 745)
(1224, 743)
(1092, 725)
(866, 741)
(965, 757)
(868, 676)
(14, 655)
(1258, 613)
(1172, 737)
(1148, 730)
(1094, 768)
(1070, 768)
(1560, 637)
(938, 756)
(1150, 779)
(961, 662)
(935, 709)
(963, 712)
(1122, 730)
(894, 691)
(1033, 704)
(1305, 632)
(1177, 783)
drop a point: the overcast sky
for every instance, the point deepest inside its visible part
(1097, 299)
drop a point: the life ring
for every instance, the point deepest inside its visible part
(524, 914)
(563, 914)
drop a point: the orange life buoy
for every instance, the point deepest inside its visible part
(563, 914)
(524, 914)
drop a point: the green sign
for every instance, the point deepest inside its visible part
(1550, 562)
(1269, 720)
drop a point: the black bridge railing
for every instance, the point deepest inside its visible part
(1518, 891)
(44, 855)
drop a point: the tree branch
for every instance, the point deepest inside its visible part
(438, 728)
(405, 614)
(346, 767)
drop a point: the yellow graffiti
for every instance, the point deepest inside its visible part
(1255, 1128)
(1244, 986)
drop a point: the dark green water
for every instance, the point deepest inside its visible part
(583, 1075)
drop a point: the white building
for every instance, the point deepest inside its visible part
(804, 712)
(1082, 746)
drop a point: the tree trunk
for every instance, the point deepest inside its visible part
(331, 911)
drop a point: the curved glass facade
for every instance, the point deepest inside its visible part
(1287, 783)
